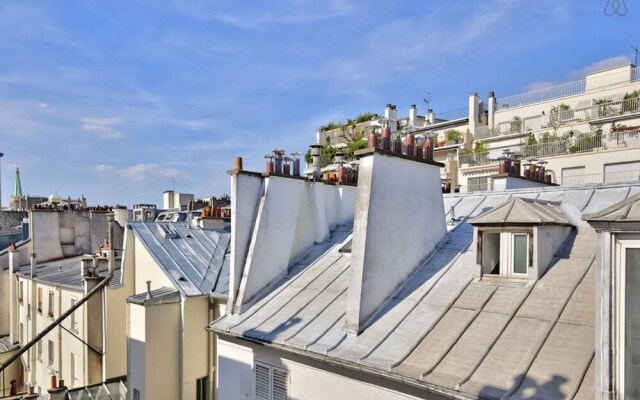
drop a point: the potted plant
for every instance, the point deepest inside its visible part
(452, 136)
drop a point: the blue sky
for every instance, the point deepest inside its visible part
(111, 99)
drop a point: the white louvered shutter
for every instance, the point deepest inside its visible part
(280, 385)
(263, 385)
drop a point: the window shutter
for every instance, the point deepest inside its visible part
(280, 384)
(262, 382)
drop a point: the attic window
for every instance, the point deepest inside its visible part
(505, 253)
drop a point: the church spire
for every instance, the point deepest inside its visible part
(17, 190)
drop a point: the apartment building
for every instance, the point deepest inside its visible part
(48, 274)
(428, 296)
(584, 132)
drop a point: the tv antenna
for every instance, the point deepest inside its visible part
(636, 50)
(427, 99)
(173, 184)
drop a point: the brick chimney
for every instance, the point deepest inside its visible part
(392, 234)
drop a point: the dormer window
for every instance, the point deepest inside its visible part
(506, 252)
(518, 238)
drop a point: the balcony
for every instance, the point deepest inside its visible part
(566, 89)
(559, 117)
(566, 145)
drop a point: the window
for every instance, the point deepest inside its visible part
(51, 352)
(520, 253)
(72, 369)
(51, 303)
(478, 184)
(21, 292)
(73, 322)
(622, 172)
(506, 254)
(202, 389)
(40, 300)
(136, 394)
(271, 383)
(21, 332)
(629, 323)
(573, 176)
(39, 350)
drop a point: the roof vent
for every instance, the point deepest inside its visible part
(149, 290)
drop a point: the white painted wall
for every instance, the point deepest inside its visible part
(245, 196)
(396, 200)
(548, 240)
(292, 215)
(236, 376)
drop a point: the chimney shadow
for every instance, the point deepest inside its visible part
(269, 335)
(527, 388)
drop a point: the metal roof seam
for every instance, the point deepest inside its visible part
(467, 325)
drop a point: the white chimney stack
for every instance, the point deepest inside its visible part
(413, 115)
(392, 234)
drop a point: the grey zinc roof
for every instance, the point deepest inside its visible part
(194, 259)
(625, 211)
(522, 210)
(163, 295)
(65, 272)
(444, 329)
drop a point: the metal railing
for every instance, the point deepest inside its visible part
(566, 89)
(559, 116)
(554, 146)
(451, 114)
(599, 178)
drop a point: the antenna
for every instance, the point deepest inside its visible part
(173, 184)
(636, 50)
(427, 99)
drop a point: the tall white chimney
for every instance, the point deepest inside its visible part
(392, 234)
(413, 115)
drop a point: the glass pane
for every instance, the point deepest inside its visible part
(520, 254)
(632, 325)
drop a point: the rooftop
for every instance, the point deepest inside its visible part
(444, 329)
(65, 272)
(194, 259)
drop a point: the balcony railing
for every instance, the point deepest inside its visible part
(567, 145)
(451, 115)
(595, 179)
(566, 89)
(559, 117)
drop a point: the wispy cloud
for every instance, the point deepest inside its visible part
(105, 128)
(143, 171)
(599, 65)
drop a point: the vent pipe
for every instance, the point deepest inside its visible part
(409, 142)
(269, 165)
(279, 154)
(149, 290)
(315, 156)
(111, 253)
(428, 149)
(386, 138)
(238, 163)
(286, 168)
(33, 265)
(296, 163)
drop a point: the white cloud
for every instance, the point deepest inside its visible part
(104, 168)
(539, 85)
(599, 65)
(106, 128)
(140, 171)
